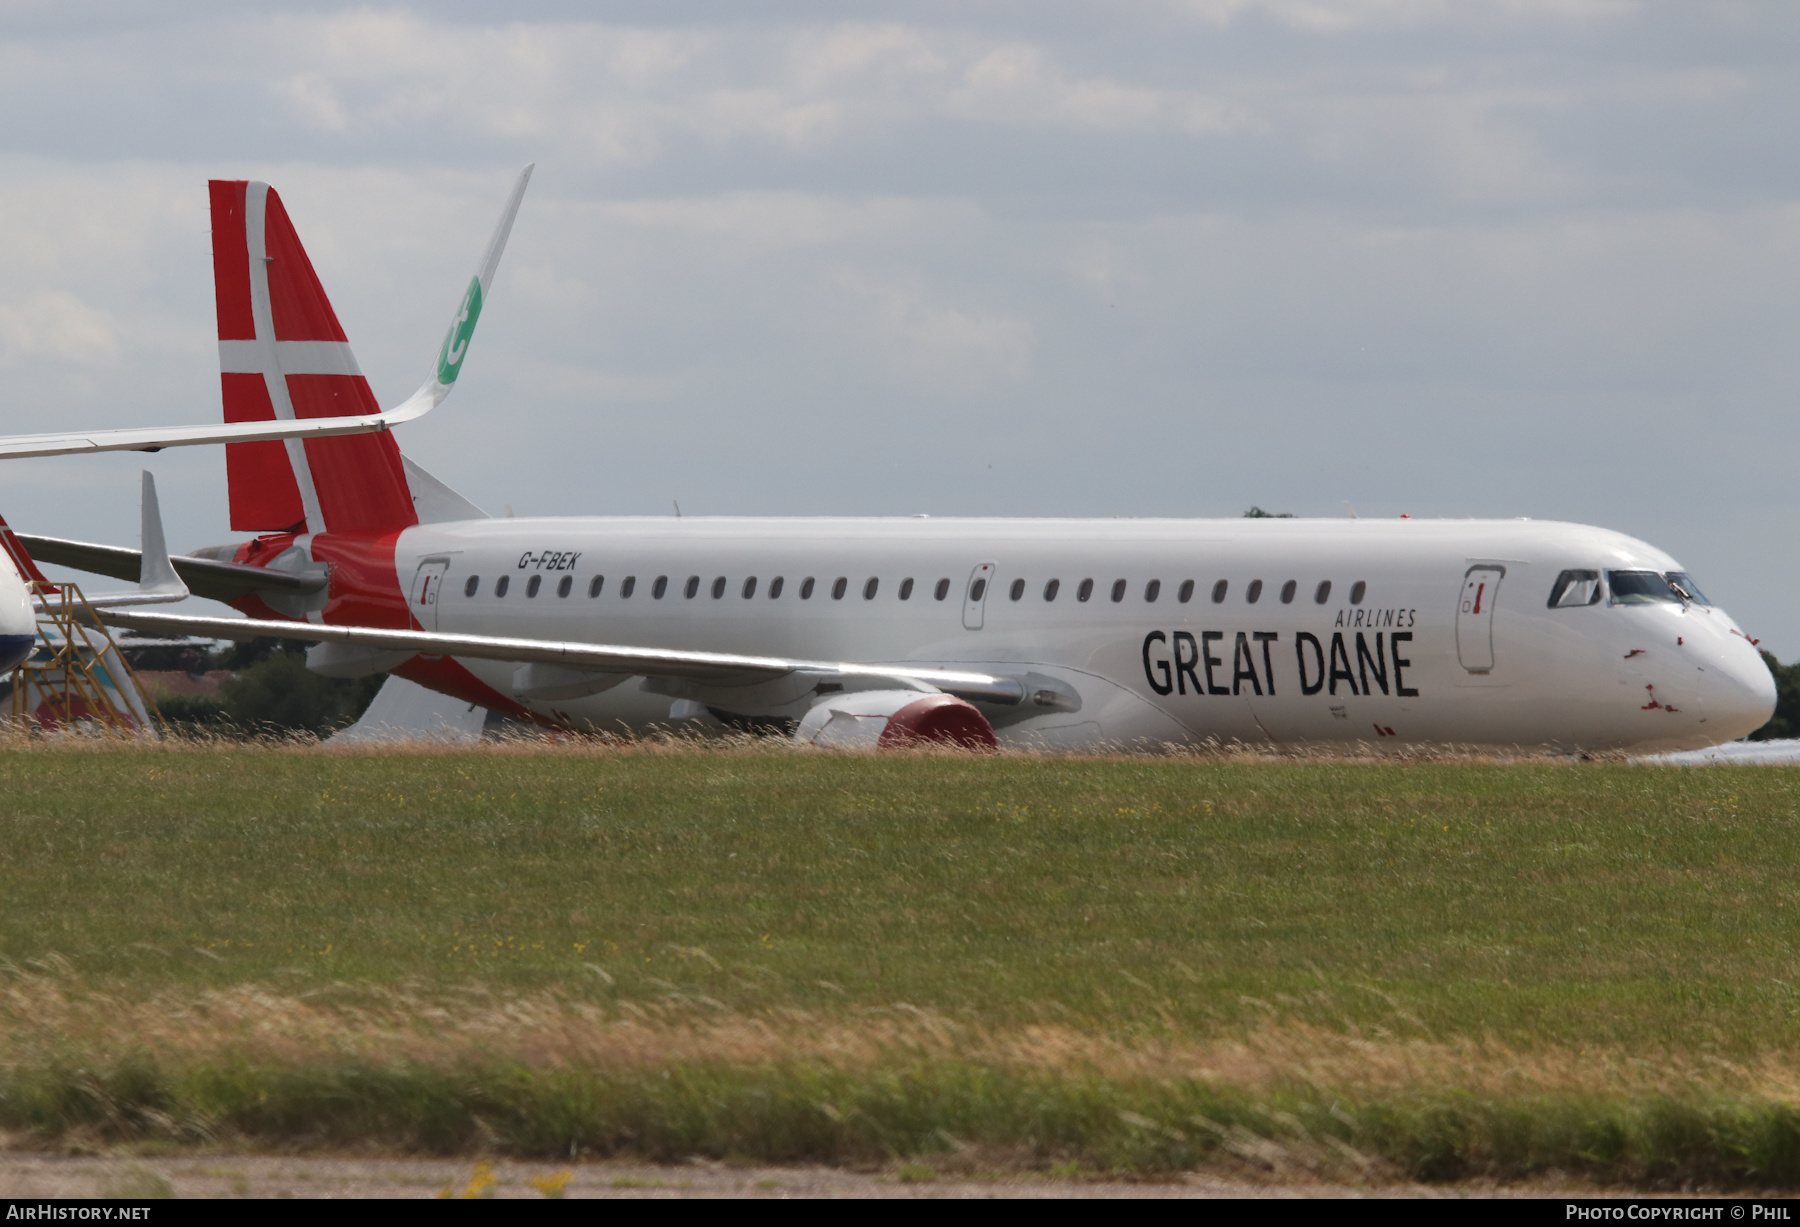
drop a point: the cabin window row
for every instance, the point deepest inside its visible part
(719, 585)
(1152, 591)
(1084, 591)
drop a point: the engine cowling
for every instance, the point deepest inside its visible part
(894, 719)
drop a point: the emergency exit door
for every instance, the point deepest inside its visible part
(975, 596)
(425, 585)
(1475, 617)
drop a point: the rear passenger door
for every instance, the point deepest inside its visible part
(423, 601)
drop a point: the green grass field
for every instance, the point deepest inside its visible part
(1434, 969)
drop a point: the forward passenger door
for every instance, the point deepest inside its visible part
(1475, 617)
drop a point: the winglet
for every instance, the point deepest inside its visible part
(462, 326)
(156, 574)
(158, 584)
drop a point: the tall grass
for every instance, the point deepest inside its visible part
(541, 1076)
(1425, 969)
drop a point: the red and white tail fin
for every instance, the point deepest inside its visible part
(21, 558)
(283, 355)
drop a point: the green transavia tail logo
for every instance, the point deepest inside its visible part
(456, 344)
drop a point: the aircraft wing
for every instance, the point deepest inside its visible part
(715, 668)
(155, 438)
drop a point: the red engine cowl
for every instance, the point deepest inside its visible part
(894, 719)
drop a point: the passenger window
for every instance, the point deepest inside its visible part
(1018, 589)
(1357, 590)
(1085, 591)
(942, 590)
(627, 587)
(473, 586)
(838, 588)
(906, 589)
(1322, 593)
(1219, 591)
(1253, 593)
(1051, 588)
(775, 588)
(1118, 592)
(1684, 582)
(1152, 590)
(533, 584)
(750, 587)
(564, 584)
(1288, 590)
(502, 584)
(978, 590)
(1574, 588)
(870, 587)
(1185, 593)
(659, 587)
(594, 586)
(718, 587)
(806, 588)
(691, 589)
(1640, 588)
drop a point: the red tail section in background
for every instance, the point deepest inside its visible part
(266, 300)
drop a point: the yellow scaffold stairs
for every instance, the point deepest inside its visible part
(77, 676)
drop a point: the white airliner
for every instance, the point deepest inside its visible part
(1071, 634)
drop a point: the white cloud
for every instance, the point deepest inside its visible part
(1469, 146)
(1018, 84)
(1350, 16)
(314, 101)
(957, 352)
(620, 94)
(56, 325)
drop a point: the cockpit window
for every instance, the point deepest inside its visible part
(1684, 583)
(1575, 588)
(1640, 588)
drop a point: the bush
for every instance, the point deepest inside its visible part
(273, 692)
(1786, 720)
(280, 694)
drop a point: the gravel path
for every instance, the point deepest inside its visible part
(24, 1175)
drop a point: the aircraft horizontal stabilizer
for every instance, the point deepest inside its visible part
(711, 668)
(206, 577)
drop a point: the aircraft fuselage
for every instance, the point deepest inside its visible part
(1140, 632)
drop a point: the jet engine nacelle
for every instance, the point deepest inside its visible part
(893, 719)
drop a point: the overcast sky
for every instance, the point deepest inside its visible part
(1439, 257)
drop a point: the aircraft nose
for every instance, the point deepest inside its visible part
(1739, 692)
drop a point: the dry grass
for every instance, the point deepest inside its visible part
(692, 740)
(44, 1016)
(1350, 968)
(540, 1075)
